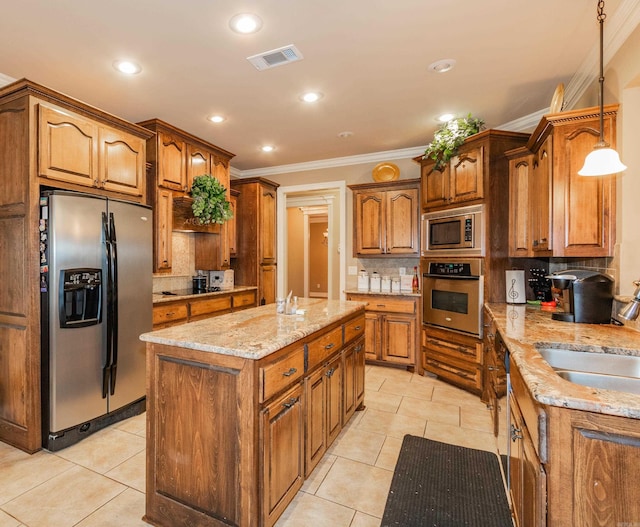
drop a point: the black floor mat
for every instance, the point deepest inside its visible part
(439, 485)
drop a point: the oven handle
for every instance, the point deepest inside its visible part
(450, 277)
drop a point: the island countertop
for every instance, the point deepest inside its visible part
(523, 327)
(254, 333)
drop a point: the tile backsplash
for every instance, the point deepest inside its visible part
(182, 265)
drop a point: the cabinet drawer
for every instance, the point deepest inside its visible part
(164, 313)
(454, 350)
(210, 305)
(246, 299)
(277, 376)
(391, 305)
(354, 328)
(322, 347)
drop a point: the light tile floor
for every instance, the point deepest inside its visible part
(99, 482)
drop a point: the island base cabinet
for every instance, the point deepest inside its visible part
(602, 453)
(283, 453)
(181, 401)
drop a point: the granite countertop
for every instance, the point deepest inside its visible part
(379, 293)
(524, 326)
(254, 333)
(187, 294)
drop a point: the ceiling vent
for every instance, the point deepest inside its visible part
(275, 57)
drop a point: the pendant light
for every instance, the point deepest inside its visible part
(603, 160)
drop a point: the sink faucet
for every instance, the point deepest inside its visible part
(632, 309)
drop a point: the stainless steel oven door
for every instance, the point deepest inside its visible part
(453, 303)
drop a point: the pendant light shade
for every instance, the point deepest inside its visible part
(603, 161)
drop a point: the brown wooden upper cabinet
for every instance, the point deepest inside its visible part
(554, 211)
(176, 158)
(80, 151)
(460, 181)
(386, 218)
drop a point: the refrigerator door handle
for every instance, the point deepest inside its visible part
(114, 303)
(106, 369)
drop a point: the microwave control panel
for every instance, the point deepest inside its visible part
(468, 230)
(453, 269)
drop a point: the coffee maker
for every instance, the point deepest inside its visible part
(586, 296)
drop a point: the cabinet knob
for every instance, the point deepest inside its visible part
(491, 368)
(358, 348)
(330, 372)
(357, 328)
(290, 372)
(515, 433)
(329, 346)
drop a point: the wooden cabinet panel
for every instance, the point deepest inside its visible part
(163, 230)
(205, 308)
(198, 163)
(121, 162)
(282, 429)
(172, 162)
(277, 376)
(386, 218)
(168, 314)
(466, 176)
(520, 212)
(323, 347)
(268, 226)
(389, 304)
(232, 226)
(399, 339)
(434, 185)
(349, 380)
(540, 192)
(359, 372)
(372, 335)
(244, 300)
(67, 147)
(402, 222)
(268, 280)
(333, 372)
(353, 329)
(316, 419)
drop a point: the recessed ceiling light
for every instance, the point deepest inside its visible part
(245, 23)
(216, 118)
(442, 66)
(311, 96)
(128, 67)
(268, 148)
(345, 134)
(446, 117)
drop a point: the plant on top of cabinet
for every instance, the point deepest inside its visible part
(210, 204)
(448, 138)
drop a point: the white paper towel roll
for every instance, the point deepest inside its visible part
(515, 287)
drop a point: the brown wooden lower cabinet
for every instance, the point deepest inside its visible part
(570, 467)
(230, 439)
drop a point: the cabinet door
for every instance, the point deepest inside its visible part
(121, 162)
(232, 235)
(402, 222)
(399, 333)
(221, 173)
(68, 148)
(466, 179)
(583, 215)
(359, 371)
(370, 224)
(435, 186)
(172, 161)
(333, 372)
(282, 435)
(267, 236)
(540, 185)
(267, 284)
(373, 335)
(520, 170)
(198, 163)
(163, 214)
(316, 418)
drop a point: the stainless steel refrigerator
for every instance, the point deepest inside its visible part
(95, 283)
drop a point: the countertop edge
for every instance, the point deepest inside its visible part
(159, 298)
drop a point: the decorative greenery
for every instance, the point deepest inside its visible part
(210, 203)
(448, 138)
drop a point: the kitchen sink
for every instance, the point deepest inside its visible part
(596, 370)
(618, 383)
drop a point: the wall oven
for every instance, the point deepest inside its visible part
(453, 232)
(453, 293)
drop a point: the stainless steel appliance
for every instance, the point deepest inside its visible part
(453, 293)
(96, 282)
(586, 296)
(454, 232)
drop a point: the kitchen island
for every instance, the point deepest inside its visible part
(241, 408)
(575, 448)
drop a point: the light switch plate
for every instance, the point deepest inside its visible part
(353, 270)
(402, 271)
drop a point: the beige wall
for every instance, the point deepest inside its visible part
(295, 244)
(318, 258)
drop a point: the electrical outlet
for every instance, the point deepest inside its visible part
(402, 271)
(353, 270)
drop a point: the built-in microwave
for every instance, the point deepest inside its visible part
(454, 232)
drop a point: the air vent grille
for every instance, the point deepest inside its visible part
(275, 57)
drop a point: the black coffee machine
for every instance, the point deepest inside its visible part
(586, 296)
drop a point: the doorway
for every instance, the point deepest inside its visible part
(324, 203)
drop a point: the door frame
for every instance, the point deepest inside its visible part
(337, 220)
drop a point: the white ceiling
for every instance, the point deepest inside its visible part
(368, 57)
